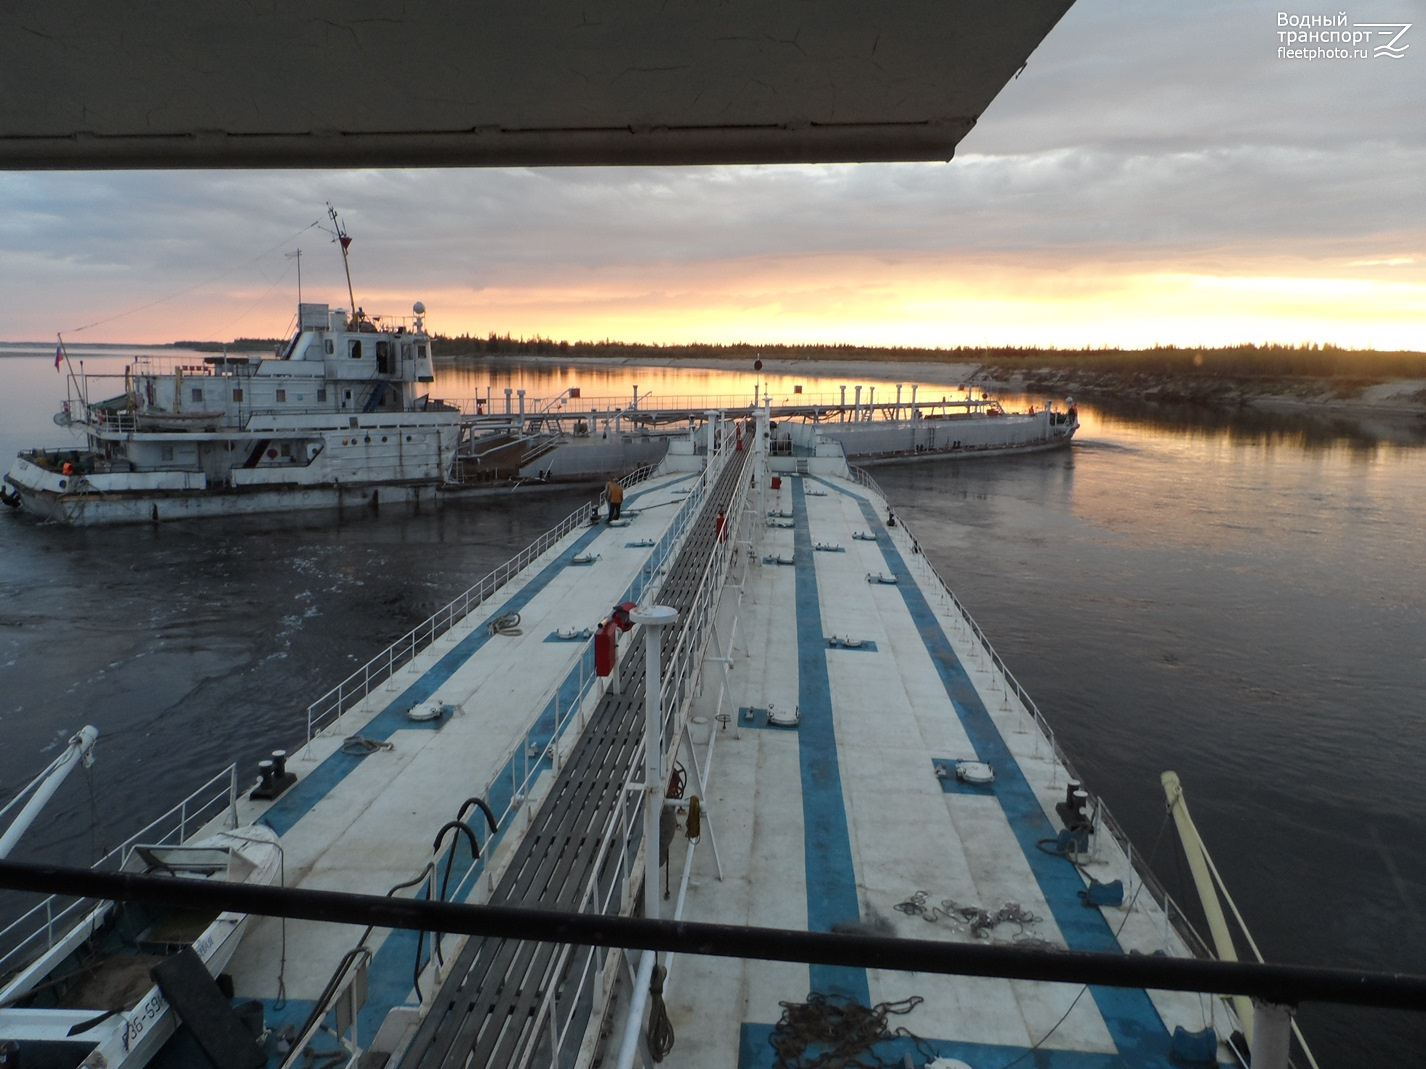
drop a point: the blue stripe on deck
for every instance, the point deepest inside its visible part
(1133, 1021)
(317, 784)
(391, 970)
(827, 848)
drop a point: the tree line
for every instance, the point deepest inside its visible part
(1245, 360)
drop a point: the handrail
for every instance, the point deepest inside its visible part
(1275, 983)
(351, 963)
(52, 919)
(567, 712)
(405, 649)
(401, 652)
(625, 822)
(1174, 912)
(613, 407)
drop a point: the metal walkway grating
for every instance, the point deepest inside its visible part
(490, 1001)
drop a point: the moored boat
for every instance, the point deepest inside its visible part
(950, 427)
(871, 431)
(341, 414)
(92, 996)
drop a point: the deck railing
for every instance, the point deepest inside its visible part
(533, 754)
(567, 1003)
(601, 409)
(1173, 913)
(35, 931)
(404, 650)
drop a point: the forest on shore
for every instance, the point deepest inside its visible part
(1247, 360)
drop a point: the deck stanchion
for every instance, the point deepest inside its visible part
(233, 796)
(1272, 1035)
(655, 618)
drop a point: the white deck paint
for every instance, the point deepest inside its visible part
(892, 716)
(374, 827)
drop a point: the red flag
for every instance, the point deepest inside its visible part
(58, 355)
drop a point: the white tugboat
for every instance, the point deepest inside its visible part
(341, 415)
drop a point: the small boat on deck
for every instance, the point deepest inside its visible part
(90, 999)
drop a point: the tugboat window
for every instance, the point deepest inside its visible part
(354, 350)
(197, 393)
(281, 395)
(237, 393)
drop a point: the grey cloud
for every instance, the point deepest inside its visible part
(1139, 132)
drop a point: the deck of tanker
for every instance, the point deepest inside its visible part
(855, 820)
(375, 786)
(850, 818)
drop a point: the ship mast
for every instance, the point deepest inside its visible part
(298, 257)
(344, 241)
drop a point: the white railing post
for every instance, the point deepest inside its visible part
(233, 796)
(654, 618)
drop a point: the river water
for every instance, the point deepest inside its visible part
(1237, 597)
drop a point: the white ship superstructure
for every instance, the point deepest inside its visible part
(342, 414)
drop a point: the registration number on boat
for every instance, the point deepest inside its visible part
(141, 1018)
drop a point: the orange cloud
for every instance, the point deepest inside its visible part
(927, 302)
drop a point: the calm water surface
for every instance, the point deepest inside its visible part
(1236, 597)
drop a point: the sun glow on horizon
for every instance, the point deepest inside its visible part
(878, 301)
(907, 305)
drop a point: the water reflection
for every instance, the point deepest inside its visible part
(734, 384)
(34, 391)
(1297, 429)
(1232, 593)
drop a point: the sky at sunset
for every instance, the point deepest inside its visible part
(1158, 174)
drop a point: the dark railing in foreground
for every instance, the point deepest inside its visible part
(1286, 985)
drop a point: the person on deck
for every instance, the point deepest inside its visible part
(616, 499)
